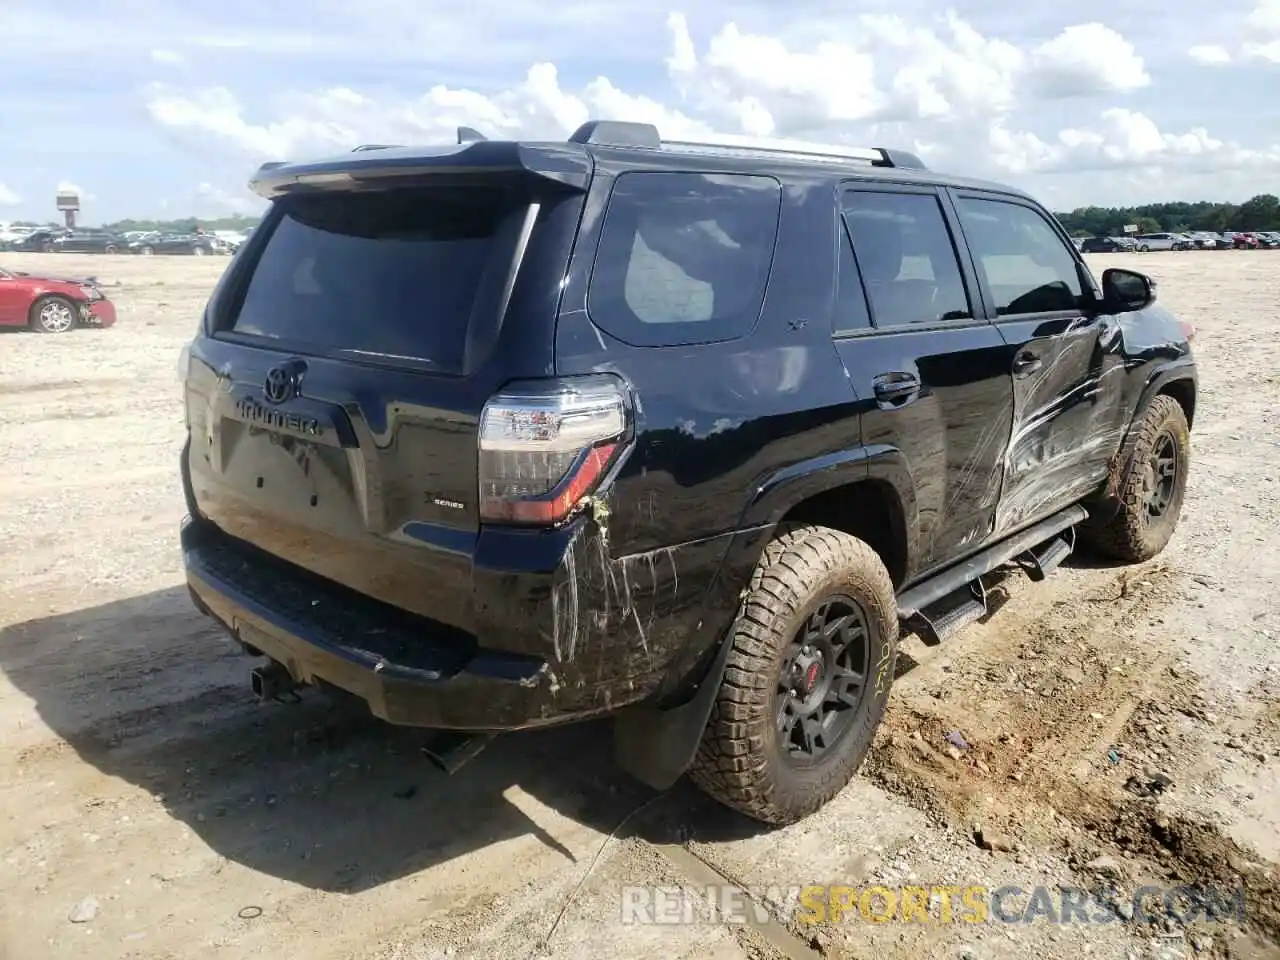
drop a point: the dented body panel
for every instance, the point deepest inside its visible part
(474, 625)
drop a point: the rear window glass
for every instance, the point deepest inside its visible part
(684, 257)
(393, 273)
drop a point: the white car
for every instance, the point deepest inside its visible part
(1157, 241)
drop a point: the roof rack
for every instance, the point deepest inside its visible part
(627, 133)
(623, 133)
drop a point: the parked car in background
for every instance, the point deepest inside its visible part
(88, 240)
(38, 241)
(232, 238)
(1204, 240)
(1155, 241)
(10, 234)
(52, 304)
(1244, 241)
(175, 243)
(1106, 245)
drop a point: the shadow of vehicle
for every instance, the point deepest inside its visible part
(318, 794)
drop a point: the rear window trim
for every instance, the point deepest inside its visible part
(232, 300)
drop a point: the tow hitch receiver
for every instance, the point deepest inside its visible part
(272, 682)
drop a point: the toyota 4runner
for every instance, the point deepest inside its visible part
(498, 435)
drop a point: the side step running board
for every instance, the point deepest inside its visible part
(948, 616)
(1044, 558)
(912, 602)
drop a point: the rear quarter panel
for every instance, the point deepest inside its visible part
(714, 422)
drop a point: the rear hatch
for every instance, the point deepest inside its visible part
(334, 395)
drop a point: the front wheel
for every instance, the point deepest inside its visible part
(52, 315)
(1151, 488)
(1144, 249)
(807, 679)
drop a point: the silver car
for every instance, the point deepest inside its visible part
(1157, 241)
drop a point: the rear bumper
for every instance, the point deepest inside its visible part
(408, 671)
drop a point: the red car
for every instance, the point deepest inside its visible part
(52, 304)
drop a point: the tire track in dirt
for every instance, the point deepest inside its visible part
(1062, 709)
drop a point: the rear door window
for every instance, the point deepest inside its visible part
(906, 257)
(684, 257)
(389, 273)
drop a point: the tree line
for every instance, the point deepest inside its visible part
(1258, 213)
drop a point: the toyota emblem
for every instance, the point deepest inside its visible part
(282, 383)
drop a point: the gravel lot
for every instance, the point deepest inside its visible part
(149, 808)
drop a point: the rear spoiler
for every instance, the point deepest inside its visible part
(372, 166)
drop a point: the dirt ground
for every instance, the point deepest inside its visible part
(150, 808)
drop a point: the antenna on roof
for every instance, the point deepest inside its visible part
(470, 135)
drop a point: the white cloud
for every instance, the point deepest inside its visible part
(1210, 54)
(1258, 38)
(1086, 59)
(161, 55)
(1262, 30)
(225, 201)
(956, 95)
(1123, 139)
(7, 197)
(339, 118)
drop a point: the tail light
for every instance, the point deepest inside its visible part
(545, 446)
(1188, 329)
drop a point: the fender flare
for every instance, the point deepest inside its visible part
(1107, 502)
(656, 744)
(779, 492)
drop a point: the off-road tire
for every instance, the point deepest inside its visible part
(1127, 535)
(739, 761)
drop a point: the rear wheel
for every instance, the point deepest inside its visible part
(52, 315)
(1151, 489)
(198, 251)
(807, 677)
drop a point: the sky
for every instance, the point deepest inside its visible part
(152, 109)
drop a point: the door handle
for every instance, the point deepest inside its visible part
(1026, 363)
(896, 388)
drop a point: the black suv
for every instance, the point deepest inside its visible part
(498, 435)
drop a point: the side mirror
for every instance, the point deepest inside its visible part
(1124, 291)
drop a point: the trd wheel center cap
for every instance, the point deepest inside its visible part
(810, 676)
